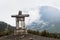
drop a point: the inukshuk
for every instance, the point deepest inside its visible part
(20, 23)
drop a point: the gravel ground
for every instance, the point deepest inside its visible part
(26, 37)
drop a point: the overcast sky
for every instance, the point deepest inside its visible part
(10, 7)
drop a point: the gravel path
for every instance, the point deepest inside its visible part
(27, 37)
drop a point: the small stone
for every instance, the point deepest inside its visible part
(30, 38)
(22, 37)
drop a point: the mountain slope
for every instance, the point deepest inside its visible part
(52, 16)
(50, 20)
(4, 25)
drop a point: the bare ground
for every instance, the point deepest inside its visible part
(27, 37)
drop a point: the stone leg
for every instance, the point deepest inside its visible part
(17, 27)
(23, 26)
(17, 24)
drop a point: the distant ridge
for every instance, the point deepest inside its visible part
(4, 25)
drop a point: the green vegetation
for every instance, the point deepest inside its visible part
(6, 32)
(45, 34)
(5, 29)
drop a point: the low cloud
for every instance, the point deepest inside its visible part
(35, 16)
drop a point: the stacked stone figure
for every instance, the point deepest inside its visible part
(20, 23)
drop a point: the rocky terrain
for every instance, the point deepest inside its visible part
(27, 37)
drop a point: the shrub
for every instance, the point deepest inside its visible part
(33, 32)
(4, 33)
(44, 33)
